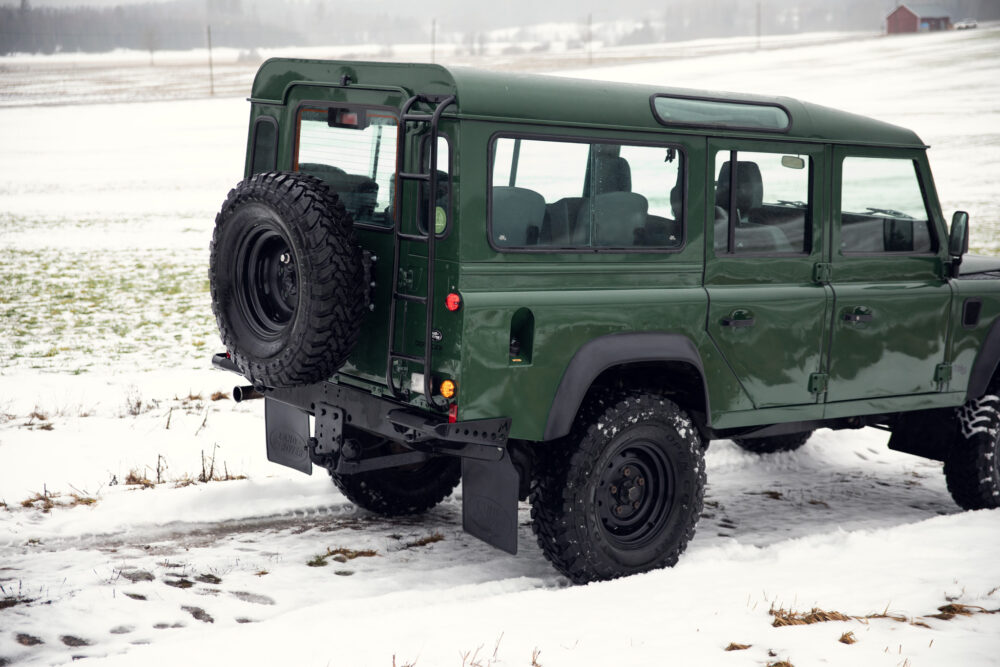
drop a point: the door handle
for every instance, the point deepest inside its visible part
(858, 315)
(738, 319)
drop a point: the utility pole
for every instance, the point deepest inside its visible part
(434, 24)
(211, 71)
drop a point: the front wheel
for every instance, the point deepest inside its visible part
(972, 465)
(623, 493)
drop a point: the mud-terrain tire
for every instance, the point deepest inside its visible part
(287, 279)
(645, 448)
(774, 443)
(411, 489)
(972, 465)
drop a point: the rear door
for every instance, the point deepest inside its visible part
(891, 300)
(768, 313)
(350, 142)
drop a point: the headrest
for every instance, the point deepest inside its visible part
(611, 174)
(749, 186)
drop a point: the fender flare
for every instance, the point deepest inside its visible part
(599, 354)
(985, 365)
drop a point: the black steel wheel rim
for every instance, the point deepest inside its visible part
(635, 494)
(266, 281)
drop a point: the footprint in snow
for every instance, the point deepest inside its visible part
(75, 642)
(252, 597)
(199, 614)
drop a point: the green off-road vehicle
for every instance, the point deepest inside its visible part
(563, 290)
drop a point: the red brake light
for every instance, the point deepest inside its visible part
(453, 413)
(453, 302)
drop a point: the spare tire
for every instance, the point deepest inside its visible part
(287, 279)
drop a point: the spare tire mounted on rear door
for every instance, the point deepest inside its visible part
(287, 279)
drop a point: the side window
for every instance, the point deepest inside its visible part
(882, 208)
(442, 199)
(763, 204)
(265, 145)
(354, 152)
(575, 195)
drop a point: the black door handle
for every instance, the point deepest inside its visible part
(737, 323)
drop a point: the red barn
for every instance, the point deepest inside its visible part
(917, 18)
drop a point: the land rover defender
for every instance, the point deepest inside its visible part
(563, 290)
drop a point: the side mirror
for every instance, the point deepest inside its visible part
(958, 240)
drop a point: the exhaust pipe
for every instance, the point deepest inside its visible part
(246, 393)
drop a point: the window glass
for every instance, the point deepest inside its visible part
(716, 113)
(768, 210)
(882, 208)
(572, 195)
(354, 152)
(265, 146)
(442, 203)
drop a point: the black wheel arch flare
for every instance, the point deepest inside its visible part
(605, 352)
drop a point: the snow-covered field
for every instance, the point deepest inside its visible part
(105, 334)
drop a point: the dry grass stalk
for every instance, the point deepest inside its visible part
(951, 610)
(136, 478)
(82, 500)
(42, 501)
(346, 554)
(780, 663)
(219, 396)
(534, 658)
(424, 541)
(847, 638)
(784, 617)
(733, 646)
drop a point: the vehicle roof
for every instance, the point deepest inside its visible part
(535, 98)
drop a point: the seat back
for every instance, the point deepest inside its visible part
(616, 217)
(518, 214)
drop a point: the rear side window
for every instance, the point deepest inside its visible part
(265, 145)
(882, 208)
(575, 195)
(762, 203)
(354, 152)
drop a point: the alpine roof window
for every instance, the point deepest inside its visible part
(730, 114)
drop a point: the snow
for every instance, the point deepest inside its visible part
(105, 333)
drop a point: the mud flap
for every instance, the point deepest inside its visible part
(287, 431)
(489, 501)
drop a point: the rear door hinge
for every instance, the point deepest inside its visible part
(817, 383)
(822, 272)
(942, 375)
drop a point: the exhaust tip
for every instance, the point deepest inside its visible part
(245, 393)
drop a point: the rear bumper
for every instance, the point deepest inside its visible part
(490, 480)
(380, 415)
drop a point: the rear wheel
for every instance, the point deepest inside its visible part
(972, 465)
(411, 489)
(623, 493)
(774, 443)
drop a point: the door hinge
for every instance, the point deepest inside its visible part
(822, 272)
(817, 383)
(942, 375)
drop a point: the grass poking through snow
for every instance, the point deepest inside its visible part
(340, 555)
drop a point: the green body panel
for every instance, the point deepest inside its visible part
(556, 302)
